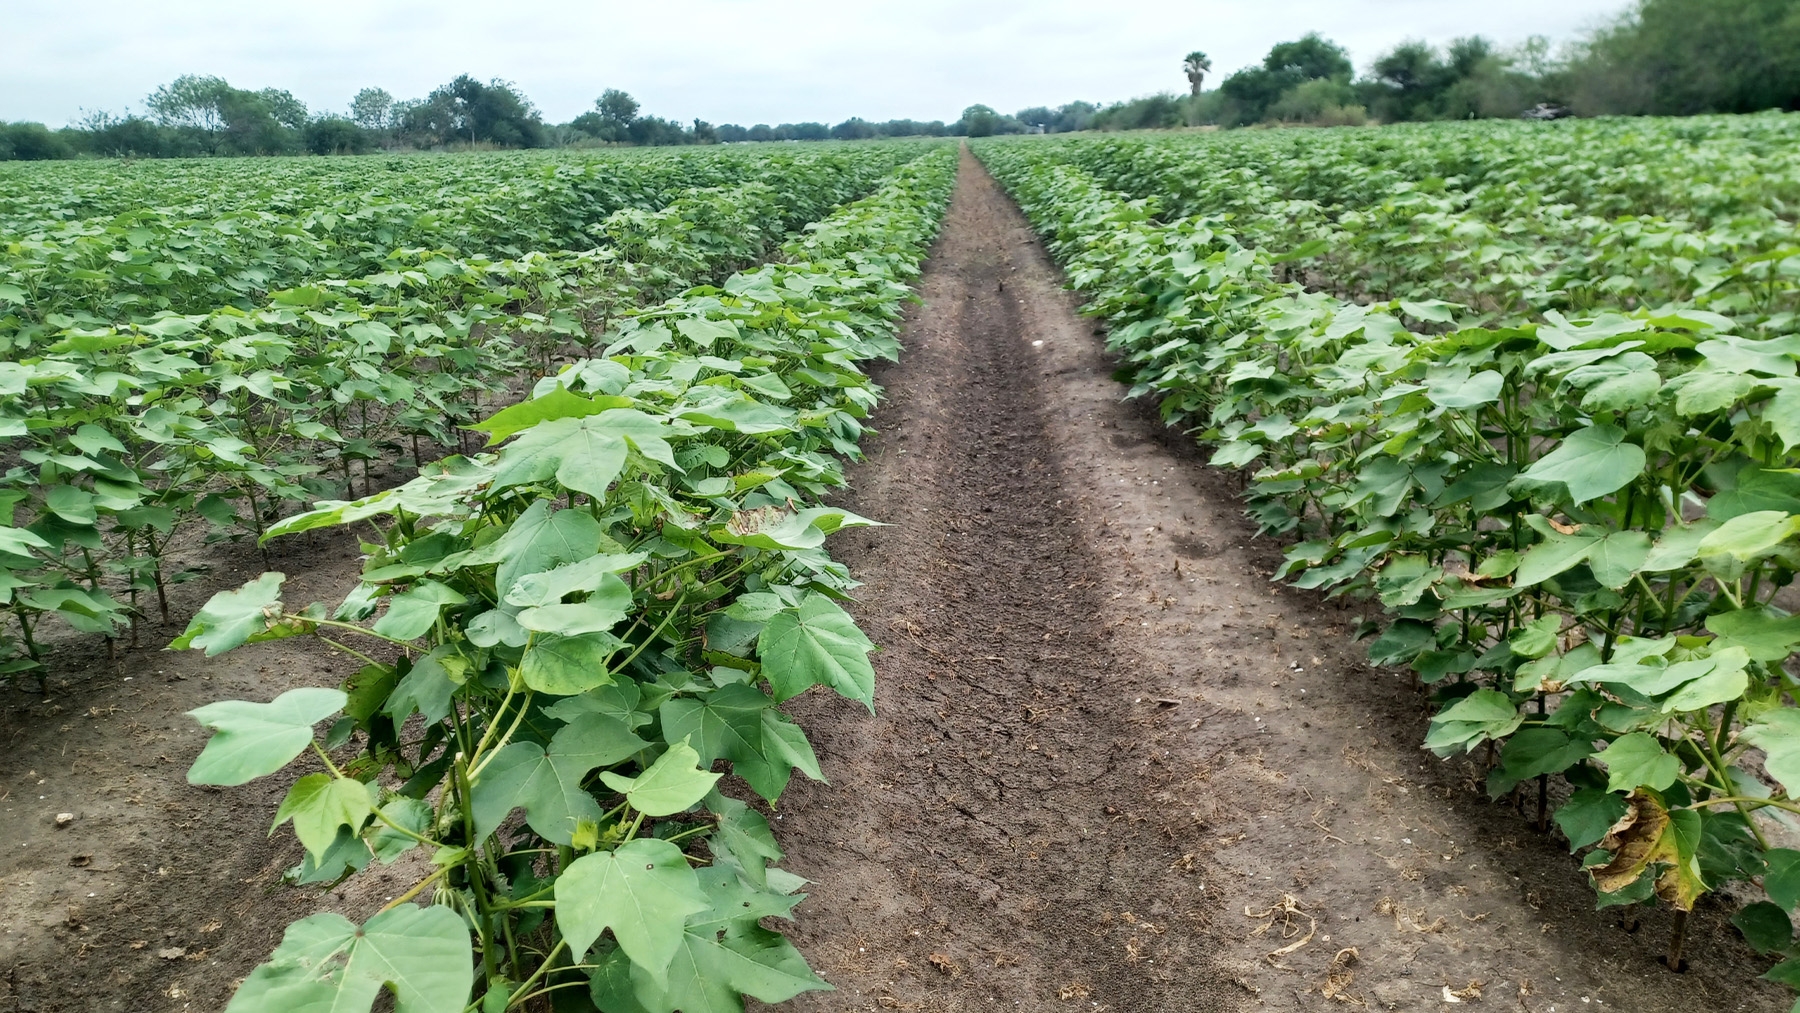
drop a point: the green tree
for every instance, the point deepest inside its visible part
(1679, 57)
(371, 108)
(1196, 65)
(495, 112)
(1252, 91)
(335, 135)
(853, 129)
(284, 108)
(616, 107)
(1310, 58)
(190, 100)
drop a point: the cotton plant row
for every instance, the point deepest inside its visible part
(1505, 219)
(110, 244)
(1577, 527)
(124, 434)
(567, 640)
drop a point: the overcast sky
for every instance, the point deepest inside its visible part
(727, 61)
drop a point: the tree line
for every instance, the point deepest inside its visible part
(1661, 57)
(198, 116)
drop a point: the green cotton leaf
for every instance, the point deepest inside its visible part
(1536, 638)
(547, 782)
(389, 844)
(331, 513)
(429, 685)
(1677, 547)
(567, 665)
(1765, 635)
(726, 725)
(740, 413)
(1590, 463)
(1703, 391)
(1782, 413)
(20, 542)
(1765, 926)
(557, 404)
(1757, 489)
(1786, 973)
(1618, 557)
(785, 750)
(1482, 715)
(347, 854)
(91, 439)
(704, 332)
(1651, 676)
(1383, 483)
(618, 700)
(1465, 391)
(540, 540)
(580, 454)
(711, 972)
(776, 528)
(1436, 311)
(319, 804)
(253, 739)
(1747, 536)
(673, 784)
(743, 838)
(412, 615)
(1557, 553)
(740, 723)
(1617, 384)
(817, 644)
(1236, 454)
(230, 618)
(732, 899)
(1742, 355)
(1782, 880)
(1777, 734)
(1637, 761)
(1589, 815)
(327, 964)
(644, 892)
(1401, 642)
(768, 385)
(575, 618)
(72, 504)
(1724, 680)
(1533, 751)
(494, 627)
(584, 454)
(596, 576)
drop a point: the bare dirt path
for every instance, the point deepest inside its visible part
(1103, 735)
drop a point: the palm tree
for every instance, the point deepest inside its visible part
(1195, 67)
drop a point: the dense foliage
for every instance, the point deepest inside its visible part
(256, 344)
(1535, 390)
(581, 624)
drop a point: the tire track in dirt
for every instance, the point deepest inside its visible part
(1103, 736)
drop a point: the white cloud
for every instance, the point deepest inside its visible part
(736, 61)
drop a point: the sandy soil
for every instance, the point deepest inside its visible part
(1103, 737)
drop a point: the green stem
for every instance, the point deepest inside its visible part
(335, 772)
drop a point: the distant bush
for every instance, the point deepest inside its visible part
(337, 136)
(1321, 101)
(31, 142)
